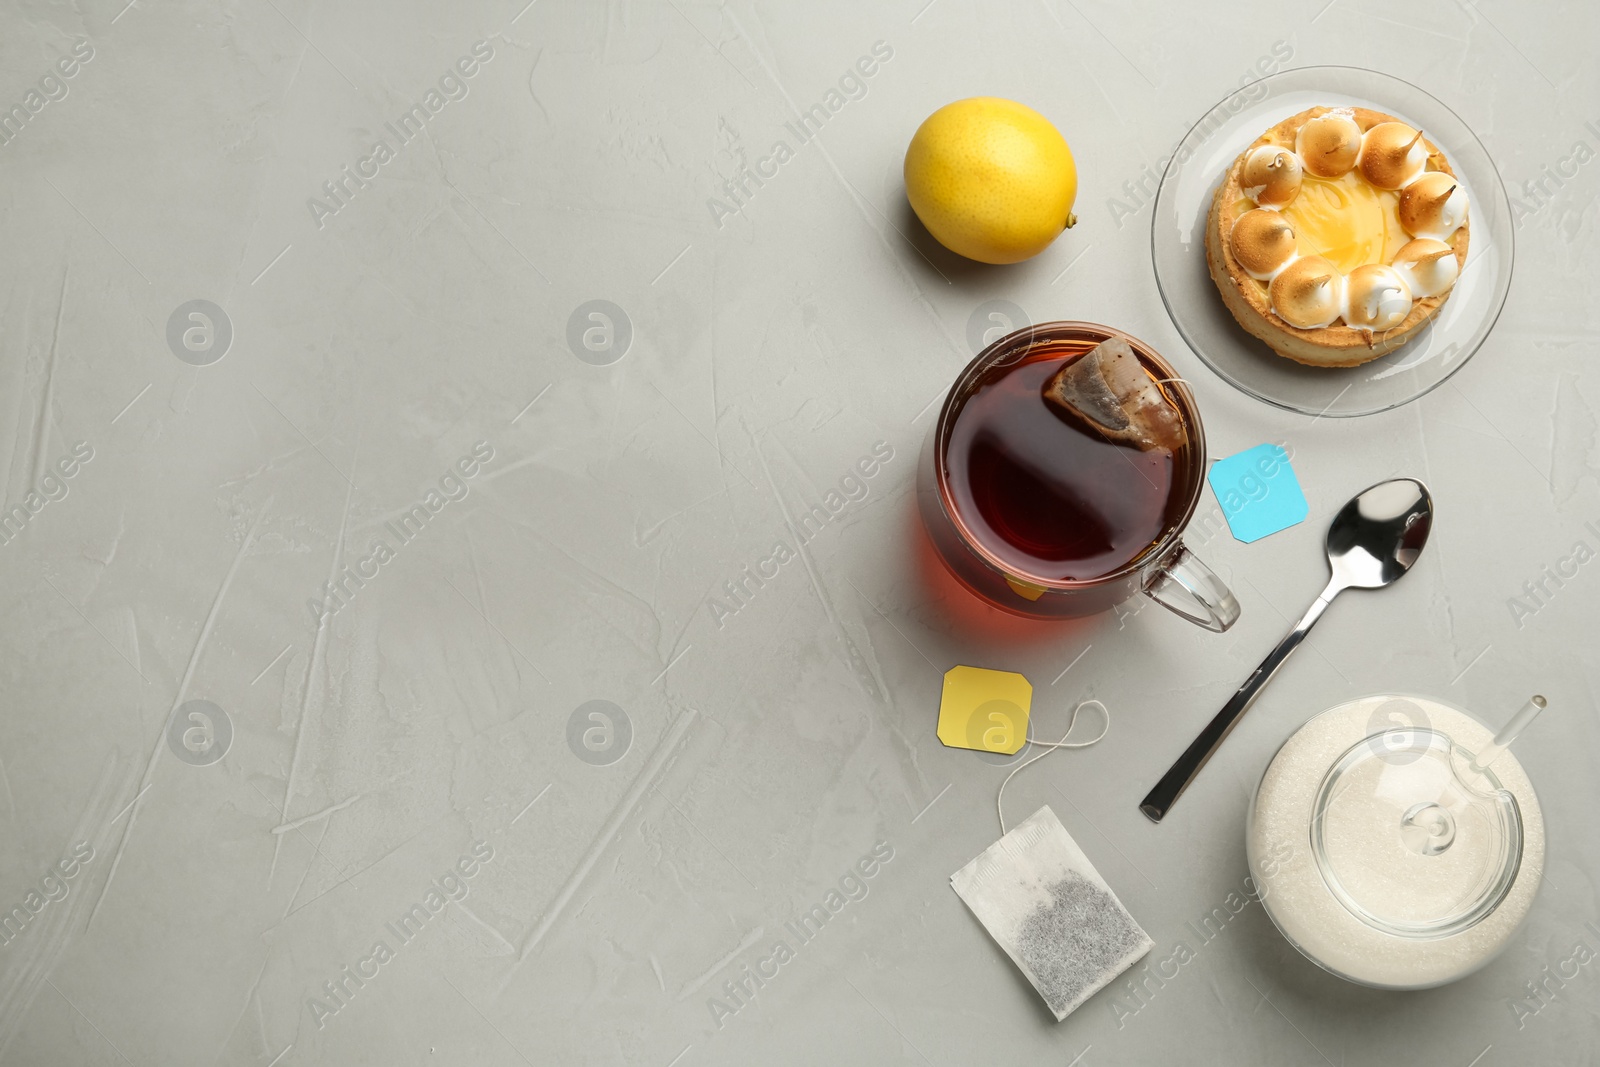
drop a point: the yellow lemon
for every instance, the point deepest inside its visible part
(991, 179)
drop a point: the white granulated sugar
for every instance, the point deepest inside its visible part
(1044, 903)
(1307, 912)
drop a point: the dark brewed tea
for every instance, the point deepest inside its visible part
(1044, 492)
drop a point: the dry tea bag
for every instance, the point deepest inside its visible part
(1044, 903)
(1109, 389)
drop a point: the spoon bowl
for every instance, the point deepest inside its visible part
(1377, 536)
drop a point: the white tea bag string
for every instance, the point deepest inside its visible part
(1051, 746)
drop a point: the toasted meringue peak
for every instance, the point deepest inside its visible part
(1376, 297)
(1392, 155)
(1307, 293)
(1433, 206)
(1270, 175)
(1262, 242)
(1429, 267)
(1328, 144)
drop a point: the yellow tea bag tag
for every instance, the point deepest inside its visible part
(984, 710)
(1025, 590)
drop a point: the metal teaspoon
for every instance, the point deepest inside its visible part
(1373, 540)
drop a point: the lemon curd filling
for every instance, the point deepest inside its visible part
(1346, 220)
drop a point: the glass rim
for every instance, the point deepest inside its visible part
(1011, 348)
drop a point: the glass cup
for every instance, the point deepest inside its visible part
(1165, 570)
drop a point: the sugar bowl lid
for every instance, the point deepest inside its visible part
(1414, 834)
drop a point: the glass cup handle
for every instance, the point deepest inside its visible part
(1187, 587)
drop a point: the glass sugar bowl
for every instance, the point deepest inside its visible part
(1387, 848)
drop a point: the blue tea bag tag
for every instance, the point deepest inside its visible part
(1258, 492)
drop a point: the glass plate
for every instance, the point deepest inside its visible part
(1177, 245)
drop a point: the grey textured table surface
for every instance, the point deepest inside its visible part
(420, 740)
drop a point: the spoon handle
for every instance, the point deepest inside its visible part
(1182, 772)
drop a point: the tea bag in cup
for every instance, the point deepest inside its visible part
(1109, 389)
(1044, 903)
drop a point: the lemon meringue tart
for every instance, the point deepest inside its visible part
(1337, 235)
